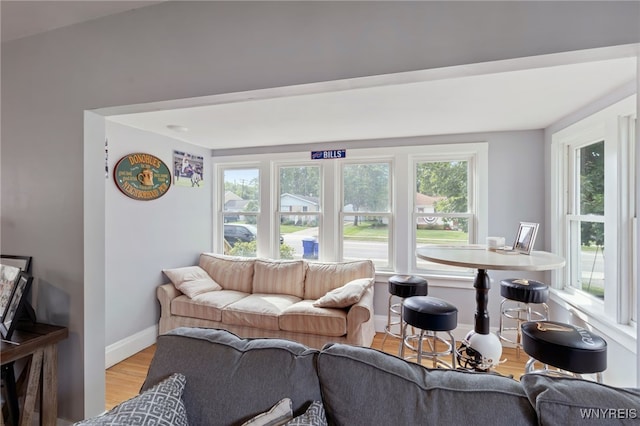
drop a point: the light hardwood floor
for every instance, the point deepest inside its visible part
(125, 378)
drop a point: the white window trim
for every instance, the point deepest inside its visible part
(607, 316)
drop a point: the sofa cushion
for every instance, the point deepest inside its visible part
(191, 280)
(411, 394)
(345, 295)
(206, 306)
(323, 277)
(279, 277)
(231, 272)
(160, 405)
(303, 317)
(571, 401)
(258, 310)
(230, 380)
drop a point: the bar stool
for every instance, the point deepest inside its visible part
(524, 293)
(430, 315)
(401, 286)
(570, 349)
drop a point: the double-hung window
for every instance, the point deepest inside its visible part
(595, 223)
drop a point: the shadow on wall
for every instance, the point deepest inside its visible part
(53, 305)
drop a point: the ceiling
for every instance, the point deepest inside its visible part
(522, 94)
(449, 103)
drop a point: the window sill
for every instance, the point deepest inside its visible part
(593, 313)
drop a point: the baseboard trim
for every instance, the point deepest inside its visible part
(131, 345)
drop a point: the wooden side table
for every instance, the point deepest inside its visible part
(38, 342)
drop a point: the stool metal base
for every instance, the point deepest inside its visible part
(394, 310)
(521, 313)
(552, 371)
(431, 338)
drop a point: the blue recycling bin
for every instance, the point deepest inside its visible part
(309, 248)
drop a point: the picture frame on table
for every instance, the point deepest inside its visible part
(526, 237)
(22, 262)
(16, 305)
(8, 279)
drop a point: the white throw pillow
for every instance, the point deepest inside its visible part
(346, 295)
(191, 280)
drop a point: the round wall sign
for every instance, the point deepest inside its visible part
(142, 176)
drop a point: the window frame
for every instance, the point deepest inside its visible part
(613, 125)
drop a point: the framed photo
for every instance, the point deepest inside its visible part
(526, 237)
(22, 262)
(15, 306)
(8, 278)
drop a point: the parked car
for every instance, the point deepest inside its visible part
(234, 232)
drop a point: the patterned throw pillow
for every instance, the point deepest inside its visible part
(159, 406)
(314, 416)
(278, 415)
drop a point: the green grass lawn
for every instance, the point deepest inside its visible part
(366, 231)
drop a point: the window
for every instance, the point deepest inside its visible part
(368, 205)
(443, 212)
(595, 200)
(366, 212)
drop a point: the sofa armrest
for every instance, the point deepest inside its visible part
(360, 312)
(166, 293)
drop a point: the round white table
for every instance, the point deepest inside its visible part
(481, 259)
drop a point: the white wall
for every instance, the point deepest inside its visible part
(184, 49)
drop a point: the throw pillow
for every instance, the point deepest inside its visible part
(160, 405)
(314, 416)
(572, 401)
(191, 280)
(346, 295)
(278, 415)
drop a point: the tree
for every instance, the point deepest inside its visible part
(446, 179)
(366, 187)
(302, 180)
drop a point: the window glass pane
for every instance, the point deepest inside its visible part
(241, 206)
(591, 161)
(591, 252)
(299, 199)
(442, 187)
(299, 237)
(241, 190)
(440, 230)
(366, 188)
(366, 237)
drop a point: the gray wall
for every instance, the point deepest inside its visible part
(183, 49)
(143, 237)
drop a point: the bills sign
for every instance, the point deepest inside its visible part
(326, 155)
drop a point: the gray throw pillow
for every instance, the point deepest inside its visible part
(160, 405)
(572, 401)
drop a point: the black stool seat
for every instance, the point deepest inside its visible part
(408, 285)
(565, 346)
(429, 313)
(523, 290)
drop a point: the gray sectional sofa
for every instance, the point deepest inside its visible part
(226, 380)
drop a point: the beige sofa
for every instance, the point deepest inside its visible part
(313, 303)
